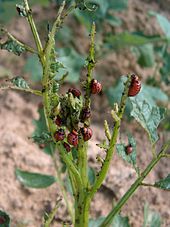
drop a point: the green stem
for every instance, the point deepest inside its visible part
(35, 92)
(28, 48)
(90, 66)
(34, 30)
(62, 187)
(82, 162)
(110, 151)
(52, 214)
(132, 189)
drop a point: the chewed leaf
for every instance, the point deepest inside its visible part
(44, 137)
(4, 219)
(130, 158)
(20, 82)
(34, 180)
(148, 116)
(13, 46)
(164, 183)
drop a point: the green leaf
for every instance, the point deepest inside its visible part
(147, 56)
(121, 150)
(163, 183)
(7, 10)
(125, 39)
(45, 137)
(96, 222)
(103, 145)
(113, 20)
(33, 67)
(20, 82)
(34, 180)
(41, 127)
(148, 115)
(13, 46)
(118, 5)
(165, 69)
(73, 63)
(163, 22)
(91, 175)
(4, 219)
(151, 218)
(118, 221)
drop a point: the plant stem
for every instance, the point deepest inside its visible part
(10, 36)
(34, 30)
(52, 214)
(82, 162)
(90, 66)
(110, 151)
(63, 190)
(132, 189)
(35, 92)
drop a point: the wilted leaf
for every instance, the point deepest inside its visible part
(33, 67)
(20, 82)
(13, 46)
(151, 218)
(148, 115)
(34, 180)
(164, 183)
(4, 219)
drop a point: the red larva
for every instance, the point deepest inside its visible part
(59, 135)
(72, 138)
(129, 149)
(75, 92)
(86, 114)
(67, 147)
(135, 86)
(58, 121)
(96, 87)
(87, 133)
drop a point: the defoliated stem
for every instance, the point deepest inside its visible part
(34, 29)
(110, 151)
(63, 190)
(133, 188)
(35, 92)
(90, 65)
(52, 214)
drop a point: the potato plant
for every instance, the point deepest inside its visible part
(64, 126)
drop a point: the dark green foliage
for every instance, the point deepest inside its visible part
(13, 46)
(4, 219)
(20, 82)
(34, 180)
(41, 129)
(164, 183)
